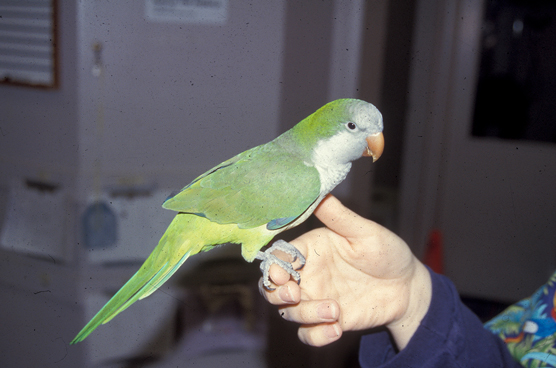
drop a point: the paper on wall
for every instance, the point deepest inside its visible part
(34, 220)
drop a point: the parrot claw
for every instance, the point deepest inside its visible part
(268, 259)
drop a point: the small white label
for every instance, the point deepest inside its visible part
(187, 11)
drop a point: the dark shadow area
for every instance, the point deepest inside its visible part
(517, 79)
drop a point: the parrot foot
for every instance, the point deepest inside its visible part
(268, 259)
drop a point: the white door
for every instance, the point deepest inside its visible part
(493, 200)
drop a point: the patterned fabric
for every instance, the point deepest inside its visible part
(529, 327)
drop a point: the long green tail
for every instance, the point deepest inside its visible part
(187, 235)
(171, 252)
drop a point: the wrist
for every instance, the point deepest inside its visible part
(420, 295)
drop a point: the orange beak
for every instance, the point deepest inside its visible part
(375, 146)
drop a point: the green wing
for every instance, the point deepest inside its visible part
(264, 185)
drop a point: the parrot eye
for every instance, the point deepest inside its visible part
(351, 126)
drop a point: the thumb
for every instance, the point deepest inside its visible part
(340, 219)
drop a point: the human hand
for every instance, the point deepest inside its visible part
(357, 275)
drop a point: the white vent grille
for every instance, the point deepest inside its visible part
(27, 42)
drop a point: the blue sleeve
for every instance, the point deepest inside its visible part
(450, 335)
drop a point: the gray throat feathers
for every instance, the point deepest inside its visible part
(332, 175)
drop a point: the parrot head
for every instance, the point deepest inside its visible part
(342, 131)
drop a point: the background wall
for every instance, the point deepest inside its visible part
(492, 199)
(174, 99)
(143, 107)
(167, 82)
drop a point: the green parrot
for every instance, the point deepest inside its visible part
(255, 195)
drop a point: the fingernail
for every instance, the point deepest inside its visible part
(332, 331)
(326, 311)
(285, 294)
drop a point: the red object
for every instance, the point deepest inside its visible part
(434, 254)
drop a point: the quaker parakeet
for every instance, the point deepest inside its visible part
(255, 195)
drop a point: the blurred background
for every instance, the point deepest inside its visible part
(107, 107)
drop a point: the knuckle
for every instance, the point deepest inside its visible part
(304, 336)
(284, 313)
(307, 336)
